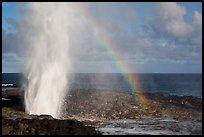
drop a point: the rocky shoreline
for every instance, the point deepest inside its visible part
(89, 112)
(45, 125)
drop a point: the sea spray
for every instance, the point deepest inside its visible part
(48, 63)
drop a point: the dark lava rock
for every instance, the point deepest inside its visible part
(102, 106)
(45, 125)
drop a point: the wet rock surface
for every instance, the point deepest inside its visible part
(15, 121)
(119, 105)
(109, 112)
(45, 125)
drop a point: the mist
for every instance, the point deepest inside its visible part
(48, 64)
(57, 41)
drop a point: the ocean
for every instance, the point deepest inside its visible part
(167, 84)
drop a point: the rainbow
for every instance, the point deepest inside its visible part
(111, 48)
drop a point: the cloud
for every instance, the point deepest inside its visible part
(170, 22)
(171, 19)
(180, 38)
(196, 37)
(3, 35)
(197, 19)
(12, 44)
(167, 37)
(11, 57)
(173, 37)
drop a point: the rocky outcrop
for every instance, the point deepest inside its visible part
(93, 109)
(45, 125)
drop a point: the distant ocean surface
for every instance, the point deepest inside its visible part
(167, 84)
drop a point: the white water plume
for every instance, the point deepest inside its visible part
(48, 63)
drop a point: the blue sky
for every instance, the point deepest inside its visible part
(151, 37)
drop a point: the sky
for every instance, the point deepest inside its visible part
(145, 38)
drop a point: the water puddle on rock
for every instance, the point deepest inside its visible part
(144, 126)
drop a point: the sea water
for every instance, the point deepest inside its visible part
(167, 84)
